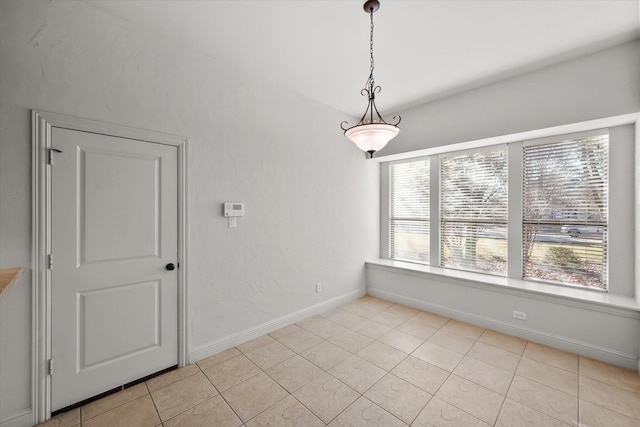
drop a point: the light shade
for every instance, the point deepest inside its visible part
(372, 137)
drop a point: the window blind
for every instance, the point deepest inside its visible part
(473, 204)
(409, 206)
(565, 204)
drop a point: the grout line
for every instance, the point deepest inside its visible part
(154, 403)
(513, 376)
(373, 311)
(216, 388)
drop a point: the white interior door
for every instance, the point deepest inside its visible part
(114, 307)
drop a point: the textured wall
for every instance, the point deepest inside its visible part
(311, 198)
(590, 87)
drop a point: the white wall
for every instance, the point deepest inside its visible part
(591, 87)
(311, 198)
(596, 86)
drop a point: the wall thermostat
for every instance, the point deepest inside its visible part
(232, 209)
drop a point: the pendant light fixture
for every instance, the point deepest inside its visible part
(372, 132)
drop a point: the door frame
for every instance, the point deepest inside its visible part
(41, 124)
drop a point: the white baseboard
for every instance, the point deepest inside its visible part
(600, 353)
(20, 419)
(202, 351)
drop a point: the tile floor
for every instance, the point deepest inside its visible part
(374, 363)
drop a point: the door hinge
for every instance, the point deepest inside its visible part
(49, 261)
(50, 156)
(50, 367)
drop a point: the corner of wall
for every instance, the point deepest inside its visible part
(224, 343)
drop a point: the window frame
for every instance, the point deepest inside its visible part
(487, 149)
(625, 282)
(389, 213)
(606, 245)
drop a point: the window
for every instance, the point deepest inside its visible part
(473, 204)
(409, 213)
(565, 211)
(533, 210)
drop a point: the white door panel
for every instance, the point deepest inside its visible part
(113, 230)
(121, 217)
(103, 344)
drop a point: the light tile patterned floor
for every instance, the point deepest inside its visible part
(374, 363)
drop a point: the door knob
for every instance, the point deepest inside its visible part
(170, 267)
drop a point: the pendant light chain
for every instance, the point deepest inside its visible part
(371, 82)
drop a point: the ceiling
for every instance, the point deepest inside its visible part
(424, 50)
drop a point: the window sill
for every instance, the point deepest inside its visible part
(570, 295)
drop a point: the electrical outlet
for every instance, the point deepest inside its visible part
(520, 315)
(318, 287)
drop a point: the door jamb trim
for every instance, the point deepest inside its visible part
(41, 124)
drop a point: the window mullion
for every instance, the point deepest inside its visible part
(385, 212)
(435, 210)
(514, 211)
